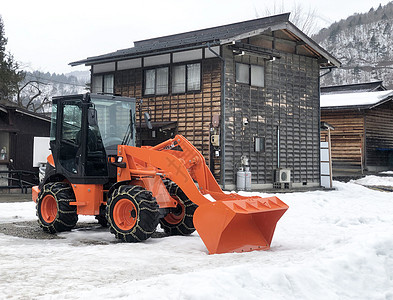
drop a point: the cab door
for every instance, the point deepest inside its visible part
(70, 137)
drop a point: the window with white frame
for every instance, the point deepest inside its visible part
(156, 81)
(186, 78)
(250, 74)
(103, 84)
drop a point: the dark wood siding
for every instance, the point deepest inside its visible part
(289, 101)
(379, 136)
(347, 140)
(27, 128)
(193, 112)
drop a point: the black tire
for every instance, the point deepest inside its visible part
(101, 218)
(180, 221)
(53, 209)
(132, 213)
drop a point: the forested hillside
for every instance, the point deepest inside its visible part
(37, 89)
(364, 45)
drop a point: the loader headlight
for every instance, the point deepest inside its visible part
(120, 159)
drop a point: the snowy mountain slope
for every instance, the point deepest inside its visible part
(329, 245)
(43, 86)
(364, 45)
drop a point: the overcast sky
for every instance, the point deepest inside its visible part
(47, 35)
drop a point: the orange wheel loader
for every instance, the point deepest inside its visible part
(95, 169)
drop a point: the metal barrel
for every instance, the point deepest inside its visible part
(239, 225)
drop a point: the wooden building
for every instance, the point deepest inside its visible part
(18, 127)
(241, 92)
(362, 139)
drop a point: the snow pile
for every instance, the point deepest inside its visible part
(386, 173)
(373, 180)
(329, 245)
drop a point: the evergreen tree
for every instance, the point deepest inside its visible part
(10, 75)
(387, 30)
(373, 42)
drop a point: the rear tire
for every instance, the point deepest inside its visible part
(101, 218)
(53, 209)
(132, 213)
(180, 221)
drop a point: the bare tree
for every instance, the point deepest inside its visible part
(34, 101)
(305, 19)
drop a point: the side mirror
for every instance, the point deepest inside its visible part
(92, 116)
(148, 120)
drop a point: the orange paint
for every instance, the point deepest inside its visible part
(34, 193)
(48, 209)
(50, 160)
(233, 223)
(125, 214)
(89, 198)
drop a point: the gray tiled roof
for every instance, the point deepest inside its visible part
(183, 40)
(213, 36)
(352, 88)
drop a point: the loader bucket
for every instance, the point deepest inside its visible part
(228, 222)
(239, 225)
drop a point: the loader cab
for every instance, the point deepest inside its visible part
(85, 130)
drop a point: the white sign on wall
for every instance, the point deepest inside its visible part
(40, 150)
(326, 172)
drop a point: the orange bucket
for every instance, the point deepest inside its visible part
(238, 225)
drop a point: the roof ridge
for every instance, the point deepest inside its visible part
(173, 37)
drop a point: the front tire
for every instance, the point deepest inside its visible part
(132, 213)
(53, 209)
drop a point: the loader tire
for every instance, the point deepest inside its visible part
(53, 209)
(180, 221)
(102, 220)
(132, 213)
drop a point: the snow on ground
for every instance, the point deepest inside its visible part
(386, 173)
(328, 245)
(375, 180)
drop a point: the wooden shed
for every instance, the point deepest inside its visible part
(242, 93)
(18, 127)
(362, 139)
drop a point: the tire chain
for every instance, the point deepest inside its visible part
(143, 228)
(66, 217)
(186, 225)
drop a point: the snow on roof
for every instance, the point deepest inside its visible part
(354, 99)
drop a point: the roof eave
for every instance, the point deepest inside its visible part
(91, 61)
(34, 115)
(346, 107)
(252, 33)
(335, 63)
